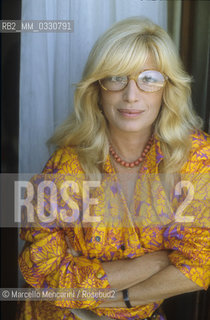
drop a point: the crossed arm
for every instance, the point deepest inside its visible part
(166, 283)
(149, 278)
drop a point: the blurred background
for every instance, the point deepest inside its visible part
(37, 76)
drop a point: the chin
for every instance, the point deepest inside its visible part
(133, 130)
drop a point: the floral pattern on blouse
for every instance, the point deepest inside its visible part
(151, 224)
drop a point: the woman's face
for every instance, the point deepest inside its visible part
(132, 110)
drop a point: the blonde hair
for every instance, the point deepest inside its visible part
(124, 48)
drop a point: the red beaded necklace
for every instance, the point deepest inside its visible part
(133, 163)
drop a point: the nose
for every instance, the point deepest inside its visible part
(131, 92)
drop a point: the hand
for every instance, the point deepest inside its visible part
(70, 249)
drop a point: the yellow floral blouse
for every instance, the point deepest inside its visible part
(154, 222)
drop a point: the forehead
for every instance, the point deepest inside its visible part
(129, 60)
(148, 64)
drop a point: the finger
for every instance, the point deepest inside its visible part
(68, 242)
(70, 249)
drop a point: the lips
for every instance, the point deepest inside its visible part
(131, 113)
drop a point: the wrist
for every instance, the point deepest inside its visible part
(126, 298)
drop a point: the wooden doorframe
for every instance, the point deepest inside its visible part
(191, 23)
(202, 302)
(187, 27)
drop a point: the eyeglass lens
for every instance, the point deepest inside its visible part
(148, 80)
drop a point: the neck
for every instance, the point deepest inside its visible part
(129, 145)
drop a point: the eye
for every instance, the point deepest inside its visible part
(117, 79)
(149, 79)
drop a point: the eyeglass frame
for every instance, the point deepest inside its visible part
(135, 79)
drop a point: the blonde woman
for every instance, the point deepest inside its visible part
(134, 135)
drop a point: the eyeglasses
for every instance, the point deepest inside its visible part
(147, 80)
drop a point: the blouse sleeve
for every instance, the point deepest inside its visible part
(190, 252)
(45, 262)
(190, 241)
